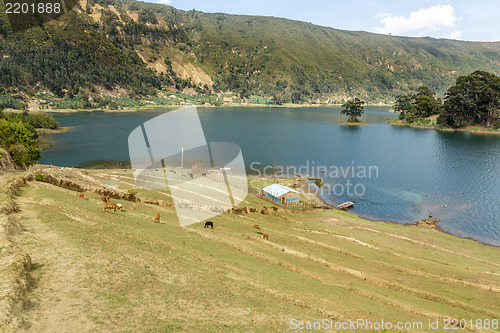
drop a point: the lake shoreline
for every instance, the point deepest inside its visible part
(433, 126)
(311, 194)
(176, 106)
(400, 211)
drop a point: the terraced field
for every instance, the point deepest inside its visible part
(105, 272)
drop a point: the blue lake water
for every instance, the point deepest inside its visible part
(456, 176)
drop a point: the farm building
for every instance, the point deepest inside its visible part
(281, 194)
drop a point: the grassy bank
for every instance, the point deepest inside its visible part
(121, 272)
(430, 123)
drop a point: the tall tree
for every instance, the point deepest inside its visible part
(354, 109)
(473, 100)
(403, 104)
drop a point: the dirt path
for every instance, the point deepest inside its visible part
(58, 295)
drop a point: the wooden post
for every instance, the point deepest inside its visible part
(274, 169)
(182, 163)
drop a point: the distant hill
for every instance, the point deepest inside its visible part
(130, 48)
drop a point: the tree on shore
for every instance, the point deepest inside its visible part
(473, 100)
(354, 109)
(421, 105)
(19, 137)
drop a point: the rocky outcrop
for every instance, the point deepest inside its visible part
(7, 163)
(269, 211)
(427, 223)
(243, 210)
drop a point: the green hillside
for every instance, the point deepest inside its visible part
(136, 49)
(80, 269)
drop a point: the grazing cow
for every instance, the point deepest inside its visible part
(133, 207)
(111, 206)
(265, 236)
(120, 206)
(81, 195)
(209, 224)
(260, 233)
(256, 227)
(157, 218)
(103, 198)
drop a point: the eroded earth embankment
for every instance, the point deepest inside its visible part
(15, 265)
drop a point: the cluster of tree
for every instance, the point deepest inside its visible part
(413, 107)
(19, 137)
(11, 102)
(473, 100)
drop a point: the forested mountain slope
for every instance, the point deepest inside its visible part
(134, 48)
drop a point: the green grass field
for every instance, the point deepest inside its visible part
(99, 271)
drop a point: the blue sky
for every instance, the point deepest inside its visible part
(474, 20)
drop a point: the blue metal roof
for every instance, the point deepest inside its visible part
(277, 190)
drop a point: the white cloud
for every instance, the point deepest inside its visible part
(419, 23)
(457, 34)
(163, 2)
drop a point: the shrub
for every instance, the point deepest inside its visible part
(318, 182)
(496, 125)
(113, 105)
(40, 178)
(19, 154)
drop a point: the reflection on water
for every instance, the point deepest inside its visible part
(419, 171)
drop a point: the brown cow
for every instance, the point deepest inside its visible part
(157, 218)
(103, 198)
(81, 195)
(265, 236)
(260, 233)
(133, 207)
(111, 206)
(256, 226)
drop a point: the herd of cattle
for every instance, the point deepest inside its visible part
(115, 207)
